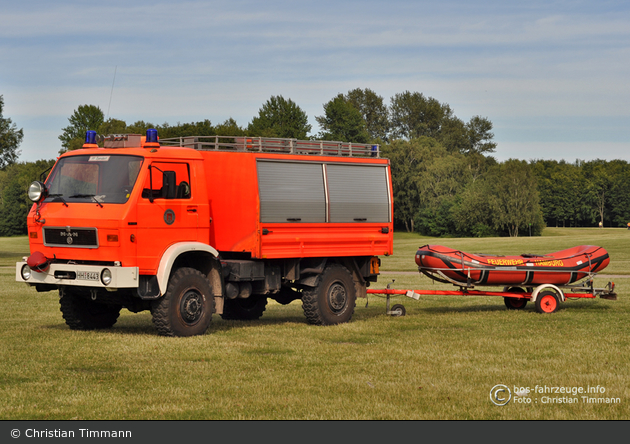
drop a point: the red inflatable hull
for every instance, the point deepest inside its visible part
(560, 268)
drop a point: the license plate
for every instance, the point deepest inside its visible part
(87, 275)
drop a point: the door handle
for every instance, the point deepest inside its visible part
(191, 209)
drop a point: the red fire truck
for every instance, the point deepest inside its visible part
(193, 226)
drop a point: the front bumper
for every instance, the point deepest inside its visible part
(80, 275)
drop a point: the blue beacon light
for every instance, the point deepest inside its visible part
(152, 136)
(90, 137)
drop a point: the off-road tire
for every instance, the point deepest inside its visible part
(186, 308)
(82, 313)
(333, 300)
(248, 309)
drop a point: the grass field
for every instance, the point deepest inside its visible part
(438, 362)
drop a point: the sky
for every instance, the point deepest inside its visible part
(552, 76)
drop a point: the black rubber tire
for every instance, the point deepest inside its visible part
(82, 313)
(515, 303)
(398, 310)
(333, 300)
(547, 302)
(248, 309)
(186, 308)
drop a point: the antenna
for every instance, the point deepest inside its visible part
(111, 93)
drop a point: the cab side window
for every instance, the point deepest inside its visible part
(167, 180)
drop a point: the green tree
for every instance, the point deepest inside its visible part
(454, 134)
(480, 135)
(14, 201)
(473, 214)
(561, 188)
(113, 126)
(515, 200)
(342, 122)
(406, 162)
(619, 193)
(84, 118)
(443, 177)
(10, 139)
(414, 115)
(426, 180)
(598, 189)
(280, 117)
(141, 127)
(202, 128)
(229, 128)
(374, 112)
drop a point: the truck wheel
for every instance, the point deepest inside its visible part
(186, 308)
(247, 309)
(81, 313)
(547, 302)
(334, 298)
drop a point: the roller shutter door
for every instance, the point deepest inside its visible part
(358, 193)
(291, 192)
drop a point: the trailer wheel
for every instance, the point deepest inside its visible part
(398, 310)
(547, 302)
(248, 309)
(515, 303)
(186, 308)
(81, 313)
(333, 300)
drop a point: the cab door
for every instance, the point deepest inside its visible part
(166, 212)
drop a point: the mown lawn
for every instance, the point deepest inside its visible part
(438, 362)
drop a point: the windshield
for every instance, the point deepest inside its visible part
(102, 179)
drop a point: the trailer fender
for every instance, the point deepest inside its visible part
(542, 287)
(172, 253)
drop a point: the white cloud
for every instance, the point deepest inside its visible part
(189, 61)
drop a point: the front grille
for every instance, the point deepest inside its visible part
(70, 237)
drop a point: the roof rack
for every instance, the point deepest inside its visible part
(274, 145)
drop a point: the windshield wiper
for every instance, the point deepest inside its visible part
(88, 195)
(60, 196)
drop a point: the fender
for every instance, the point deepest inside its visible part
(542, 287)
(172, 253)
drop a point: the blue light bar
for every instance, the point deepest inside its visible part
(152, 135)
(90, 137)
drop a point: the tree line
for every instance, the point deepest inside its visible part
(445, 180)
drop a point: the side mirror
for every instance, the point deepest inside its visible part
(169, 187)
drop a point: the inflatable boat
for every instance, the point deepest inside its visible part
(561, 268)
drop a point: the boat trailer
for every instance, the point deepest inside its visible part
(546, 297)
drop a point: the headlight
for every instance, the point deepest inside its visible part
(106, 276)
(26, 272)
(37, 191)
